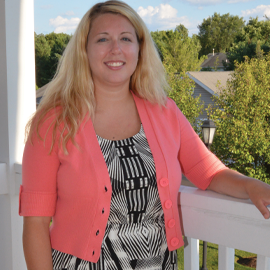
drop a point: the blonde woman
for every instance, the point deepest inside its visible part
(105, 153)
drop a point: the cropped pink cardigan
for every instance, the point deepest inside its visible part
(75, 189)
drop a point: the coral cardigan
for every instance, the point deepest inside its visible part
(75, 189)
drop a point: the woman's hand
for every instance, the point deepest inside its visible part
(237, 185)
(259, 194)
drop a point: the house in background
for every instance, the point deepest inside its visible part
(214, 61)
(206, 85)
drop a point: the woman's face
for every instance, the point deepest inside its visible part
(112, 50)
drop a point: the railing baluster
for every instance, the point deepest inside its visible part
(263, 263)
(191, 254)
(225, 258)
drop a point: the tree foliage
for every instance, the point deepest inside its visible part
(254, 30)
(48, 50)
(179, 54)
(252, 41)
(182, 90)
(242, 139)
(252, 49)
(219, 32)
(178, 49)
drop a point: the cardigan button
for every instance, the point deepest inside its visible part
(168, 204)
(93, 252)
(174, 241)
(164, 182)
(97, 233)
(106, 189)
(171, 223)
(102, 211)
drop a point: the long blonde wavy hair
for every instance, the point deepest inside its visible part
(70, 95)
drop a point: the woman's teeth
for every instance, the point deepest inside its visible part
(116, 64)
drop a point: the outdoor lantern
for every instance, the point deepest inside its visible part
(208, 132)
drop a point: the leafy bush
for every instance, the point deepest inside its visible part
(242, 117)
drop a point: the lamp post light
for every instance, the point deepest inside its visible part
(208, 133)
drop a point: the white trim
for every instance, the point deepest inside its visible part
(3, 179)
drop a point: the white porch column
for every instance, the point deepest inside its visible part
(17, 103)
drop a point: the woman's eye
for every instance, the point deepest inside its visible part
(102, 40)
(126, 39)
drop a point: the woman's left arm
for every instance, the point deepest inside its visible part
(235, 184)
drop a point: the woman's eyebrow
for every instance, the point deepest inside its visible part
(126, 33)
(106, 33)
(103, 33)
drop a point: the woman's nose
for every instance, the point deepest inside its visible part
(115, 47)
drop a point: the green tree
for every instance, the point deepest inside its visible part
(254, 30)
(259, 51)
(178, 49)
(252, 41)
(206, 69)
(219, 32)
(241, 49)
(216, 64)
(182, 30)
(58, 43)
(48, 50)
(242, 117)
(42, 57)
(182, 90)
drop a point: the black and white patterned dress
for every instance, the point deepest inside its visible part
(135, 233)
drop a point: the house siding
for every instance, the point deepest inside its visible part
(205, 97)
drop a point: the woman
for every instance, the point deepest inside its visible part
(105, 153)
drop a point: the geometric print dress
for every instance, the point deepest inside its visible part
(135, 234)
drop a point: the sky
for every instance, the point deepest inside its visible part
(64, 15)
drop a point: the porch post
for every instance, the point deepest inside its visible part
(17, 103)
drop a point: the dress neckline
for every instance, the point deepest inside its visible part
(108, 140)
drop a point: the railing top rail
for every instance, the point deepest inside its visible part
(223, 220)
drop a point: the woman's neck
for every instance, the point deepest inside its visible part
(116, 116)
(110, 98)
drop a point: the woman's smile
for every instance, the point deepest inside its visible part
(115, 64)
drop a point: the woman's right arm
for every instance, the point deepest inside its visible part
(36, 243)
(38, 196)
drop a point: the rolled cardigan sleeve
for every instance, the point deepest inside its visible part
(198, 164)
(38, 192)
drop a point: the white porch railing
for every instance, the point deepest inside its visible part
(231, 223)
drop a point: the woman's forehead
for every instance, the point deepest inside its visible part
(109, 22)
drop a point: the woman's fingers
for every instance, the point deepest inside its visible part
(263, 209)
